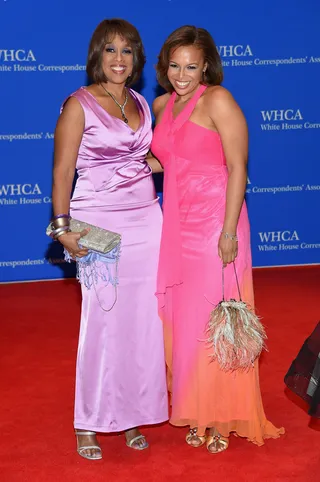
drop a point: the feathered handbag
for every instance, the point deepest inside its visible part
(235, 333)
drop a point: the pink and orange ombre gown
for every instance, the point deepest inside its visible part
(189, 281)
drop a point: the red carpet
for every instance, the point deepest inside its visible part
(39, 325)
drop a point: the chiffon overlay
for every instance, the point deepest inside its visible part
(189, 281)
(120, 373)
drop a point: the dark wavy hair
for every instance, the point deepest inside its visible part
(199, 38)
(105, 32)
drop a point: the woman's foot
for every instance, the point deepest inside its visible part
(135, 440)
(87, 445)
(193, 439)
(215, 442)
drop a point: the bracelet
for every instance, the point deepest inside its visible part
(233, 237)
(59, 223)
(65, 231)
(55, 232)
(58, 216)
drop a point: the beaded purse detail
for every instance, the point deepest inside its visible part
(97, 239)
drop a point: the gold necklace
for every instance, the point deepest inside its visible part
(121, 106)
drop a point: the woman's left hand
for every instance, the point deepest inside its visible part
(227, 249)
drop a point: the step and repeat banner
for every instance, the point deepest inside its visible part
(271, 56)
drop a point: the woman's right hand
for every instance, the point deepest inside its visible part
(70, 243)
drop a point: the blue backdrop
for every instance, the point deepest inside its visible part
(271, 56)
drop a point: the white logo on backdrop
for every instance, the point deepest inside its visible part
(17, 56)
(22, 262)
(254, 189)
(22, 194)
(281, 115)
(31, 262)
(277, 236)
(26, 136)
(243, 55)
(283, 241)
(285, 120)
(25, 60)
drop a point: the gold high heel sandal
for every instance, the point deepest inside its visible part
(219, 444)
(192, 437)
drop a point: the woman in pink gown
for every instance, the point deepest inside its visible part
(200, 140)
(104, 131)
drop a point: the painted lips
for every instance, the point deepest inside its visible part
(182, 85)
(119, 69)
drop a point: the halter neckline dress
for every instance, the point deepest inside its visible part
(189, 280)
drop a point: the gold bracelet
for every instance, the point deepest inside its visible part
(60, 222)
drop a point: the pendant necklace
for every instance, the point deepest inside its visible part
(121, 106)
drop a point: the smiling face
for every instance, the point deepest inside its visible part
(186, 67)
(117, 60)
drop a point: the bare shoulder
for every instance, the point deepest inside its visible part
(220, 104)
(71, 121)
(159, 103)
(72, 109)
(93, 89)
(216, 95)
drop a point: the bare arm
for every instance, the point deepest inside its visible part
(157, 107)
(67, 141)
(154, 163)
(231, 125)
(68, 135)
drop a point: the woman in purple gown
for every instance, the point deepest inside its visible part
(104, 132)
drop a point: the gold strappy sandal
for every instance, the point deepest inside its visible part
(192, 436)
(219, 444)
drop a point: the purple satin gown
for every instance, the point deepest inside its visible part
(120, 375)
